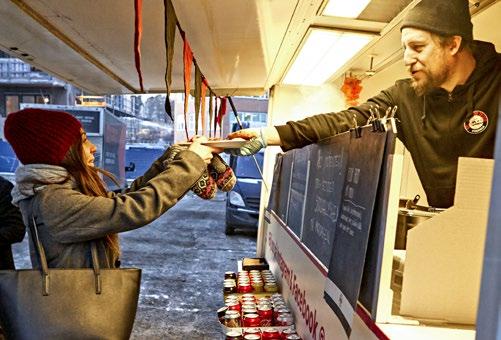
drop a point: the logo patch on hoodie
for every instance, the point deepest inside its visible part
(476, 123)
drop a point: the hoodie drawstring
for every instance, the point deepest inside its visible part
(423, 115)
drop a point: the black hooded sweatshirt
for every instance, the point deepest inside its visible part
(12, 229)
(436, 128)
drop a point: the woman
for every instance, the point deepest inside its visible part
(59, 185)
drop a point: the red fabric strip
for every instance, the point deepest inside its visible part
(222, 111)
(216, 113)
(138, 32)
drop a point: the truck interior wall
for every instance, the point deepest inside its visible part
(483, 24)
(296, 102)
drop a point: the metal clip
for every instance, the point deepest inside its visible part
(377, 111)
(393, 112)
(391, 118)
(357, 130)
(378, 124)
(388, 111)
(372, 117)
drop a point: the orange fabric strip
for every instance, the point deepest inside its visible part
(196, 94)
(202, 111)
(188, 60)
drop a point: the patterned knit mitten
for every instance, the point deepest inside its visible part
(205, 187)
(222, 173)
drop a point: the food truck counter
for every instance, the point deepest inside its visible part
(330, 230)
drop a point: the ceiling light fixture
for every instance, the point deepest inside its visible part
(323, 52)
(347, 9)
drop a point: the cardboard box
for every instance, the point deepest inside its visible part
(444, 256)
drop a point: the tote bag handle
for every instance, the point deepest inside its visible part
(45, 268)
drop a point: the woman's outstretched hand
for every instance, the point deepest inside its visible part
(205, 152)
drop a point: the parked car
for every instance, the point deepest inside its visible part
(242, 203)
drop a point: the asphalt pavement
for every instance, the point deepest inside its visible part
(184, 255)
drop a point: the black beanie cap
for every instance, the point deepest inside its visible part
(443, 17)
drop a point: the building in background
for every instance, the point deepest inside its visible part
(144, 115)
(253, 110)
(22, 83)
(150, 124)
(147, 124)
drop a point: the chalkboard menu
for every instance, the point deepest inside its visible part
(333, 195)
(328, 162)
(297, 196)
(284, 185)
(275, 185)
(353, 224)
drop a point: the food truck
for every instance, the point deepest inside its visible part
(334, 216)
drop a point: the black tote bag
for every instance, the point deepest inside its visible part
(88, 303)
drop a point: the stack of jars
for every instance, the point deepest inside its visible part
(249, 310)
(282, 315)
(230, 283)
(254, 309)
(265, 334)
(254, 281)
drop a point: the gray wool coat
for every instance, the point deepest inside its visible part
(68, 219)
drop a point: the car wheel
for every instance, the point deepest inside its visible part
(229, 230)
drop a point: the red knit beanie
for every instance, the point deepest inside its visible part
(41, 136)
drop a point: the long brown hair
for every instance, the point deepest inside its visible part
(90, 183)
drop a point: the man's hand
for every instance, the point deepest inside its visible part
(256, 140)
(245, 134)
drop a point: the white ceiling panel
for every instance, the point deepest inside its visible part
(241, 46)
(90, 43)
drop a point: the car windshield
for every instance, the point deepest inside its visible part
(246, 167)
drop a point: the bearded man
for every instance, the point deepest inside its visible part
(447, 109)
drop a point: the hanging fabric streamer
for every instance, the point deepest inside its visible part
(138, 32)
(169, 36)
(188, 60)
(211, 111)
(216, 112)
(202, 97)
(198, 91)
(222, 112)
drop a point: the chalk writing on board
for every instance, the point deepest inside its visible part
(298, 189)
(326, 208)
(325, 191)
